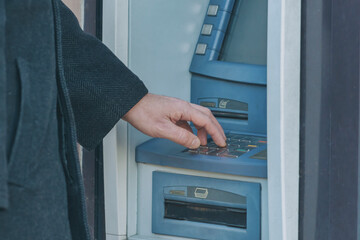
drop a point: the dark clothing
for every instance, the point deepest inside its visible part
(58, 85)
(32, 144)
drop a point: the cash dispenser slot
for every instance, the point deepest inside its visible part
(205, 208)
(205, 213)
(232, 115)
(226, 108)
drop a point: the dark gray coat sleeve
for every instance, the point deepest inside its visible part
(101, 88)
(4, 201)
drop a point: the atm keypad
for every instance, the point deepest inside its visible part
(237, 145)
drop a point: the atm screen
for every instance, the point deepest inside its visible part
(246, 35)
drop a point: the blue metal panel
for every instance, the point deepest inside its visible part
(249, 191)
(166, 153)
(254, 95)
(246, 73)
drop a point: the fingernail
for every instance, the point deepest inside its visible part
(195, 143)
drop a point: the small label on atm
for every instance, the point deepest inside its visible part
(208, 104)
(225, 103)
(201, 192)
(177, 192)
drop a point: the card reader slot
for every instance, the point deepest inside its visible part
(205, 213)
(233, 115)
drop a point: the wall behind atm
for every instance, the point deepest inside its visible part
(161, 28)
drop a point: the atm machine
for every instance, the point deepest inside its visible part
(229, 77)
(212, 53)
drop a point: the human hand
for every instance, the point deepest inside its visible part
(166, 117)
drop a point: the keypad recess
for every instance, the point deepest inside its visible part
(237, 145)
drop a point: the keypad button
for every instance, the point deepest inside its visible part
(207, 29)
(243, 150)
(204, 152)
(252, 146)
(213, 10)
(201, 48)
(228, 155)
(217, 152)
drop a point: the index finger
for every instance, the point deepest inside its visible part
(208, 112)
(202, 120)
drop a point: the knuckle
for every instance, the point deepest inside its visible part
(208, 111)
(179, 103)
(186, 106)
(175, 116)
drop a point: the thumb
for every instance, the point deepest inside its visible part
(181, 136)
